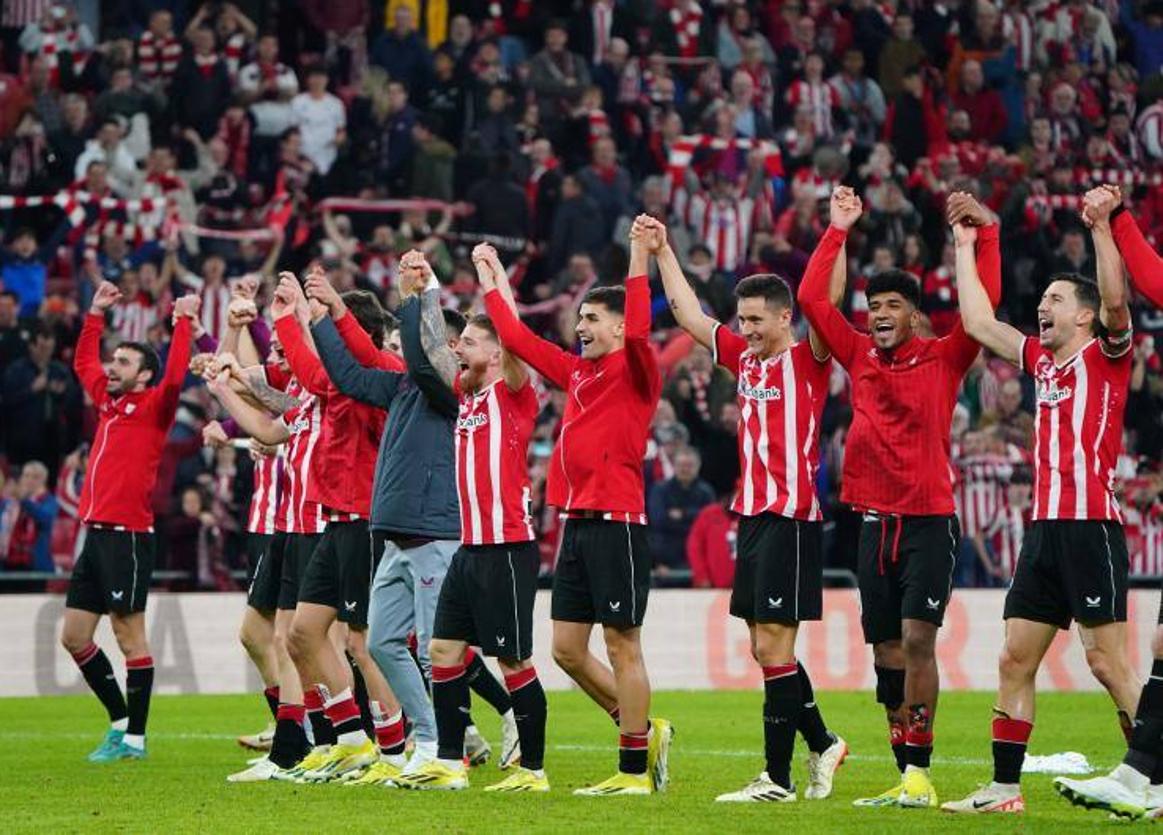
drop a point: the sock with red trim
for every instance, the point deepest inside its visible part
(449, 697)
(811, 722)
(359, 689)
(896, 738)
(890, 692)
(1143, 752)
(272, 696)
(138, 689)
(919, 737)
(782, 703)
(290, 742)
(530, 710)
(485, 684)
(98, 673)
(343, 714)
(631, 752)
(1010, 737)
(390, 734)
(321, 730)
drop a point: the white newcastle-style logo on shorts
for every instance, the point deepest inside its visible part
(759, 393)
(615, 605)
(117, 595)
(500, 640)
(933, 604)
(775, 603)
(1093, 602)
(349, 605)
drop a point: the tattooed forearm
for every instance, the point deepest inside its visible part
(270, 398)
(434, 337)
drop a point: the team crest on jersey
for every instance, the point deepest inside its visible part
(130, 408)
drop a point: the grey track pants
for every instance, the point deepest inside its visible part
(403, 598)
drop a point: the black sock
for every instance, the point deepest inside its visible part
(530, 710)
(98, 672)
(272, 696)
(321, 728)
(919, 736)
(781, 708)
(1010, 737)
(890, 692)
(449, 696)
(485, 684)
(359, 690)
(1147, 736)
(138, 688)
(632, 752)
(290, 742)
(811, 723)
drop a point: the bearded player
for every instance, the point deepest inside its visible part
(112, 574)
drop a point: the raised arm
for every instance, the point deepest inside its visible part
(977, 314)
(836, 288)
(178, 358)
(833, 331)
(87, 359)
(963, 209)
(439, 394)
(550, 361)
(640, 359)
(417, 278)
(367, 385)
(1143, 263)
(684, 304)
(1115, 312)
(254, 422)
(485, 258)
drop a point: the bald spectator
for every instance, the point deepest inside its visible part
(987, 113)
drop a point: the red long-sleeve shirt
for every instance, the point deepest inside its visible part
(1143, 263)
(343, 465)
(597, 463)
(131, 432)
(897, 455)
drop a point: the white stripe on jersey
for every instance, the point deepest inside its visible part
(792, 461)
(1055, 464)
(495, 428)
(1077, 420)
(748, 458)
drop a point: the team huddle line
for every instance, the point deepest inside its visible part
(391, 543)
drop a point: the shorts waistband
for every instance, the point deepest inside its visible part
(121, 528)
(606, 516)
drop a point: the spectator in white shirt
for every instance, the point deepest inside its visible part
(268, 86)
(321, 120)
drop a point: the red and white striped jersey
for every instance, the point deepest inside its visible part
(1078, 431)
(1144, 529)
(1005, 537)
(1149, 127)
(264, 496)
(304, 422)
(492, 474)
(819, 97)
(158, 58)
(1018, 28)
(725, 227)
(781, 399)
(132, 319)
(980, 490)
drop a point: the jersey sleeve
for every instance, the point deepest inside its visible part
(525, 399)
(817, 372)
(959, 348)
(550, 361)
(306, 367)
(843, 340)
(358, 342)
(727, 347)
(641, 362)
(87, 359)
(1030, 353)
(1143, 263)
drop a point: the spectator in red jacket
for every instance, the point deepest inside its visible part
(710, 546)
(987, 113)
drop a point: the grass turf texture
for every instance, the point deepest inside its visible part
(49, 787)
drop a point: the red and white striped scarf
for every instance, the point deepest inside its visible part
(206, 64)
(53, 44)
(599, 125)
(233, 53)
(686, 29)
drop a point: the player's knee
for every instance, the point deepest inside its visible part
(919, 648)
(512, 666)
(567, 656)
(73, 642)
(1014, 665)
(297, 642)
(623, 651)
(1103, 667)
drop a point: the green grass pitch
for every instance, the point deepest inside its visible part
(49, 787)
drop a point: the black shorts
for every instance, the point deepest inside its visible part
(905, 569)
(265, 554)
(1161, 608)
(296, 554)
(113, 571)
(487, 599)
(339, 573)
(779, 570)
(1071, 570)
(602, 573)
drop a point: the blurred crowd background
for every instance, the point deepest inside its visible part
(177, 147)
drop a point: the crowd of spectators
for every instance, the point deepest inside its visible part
(174, 146)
